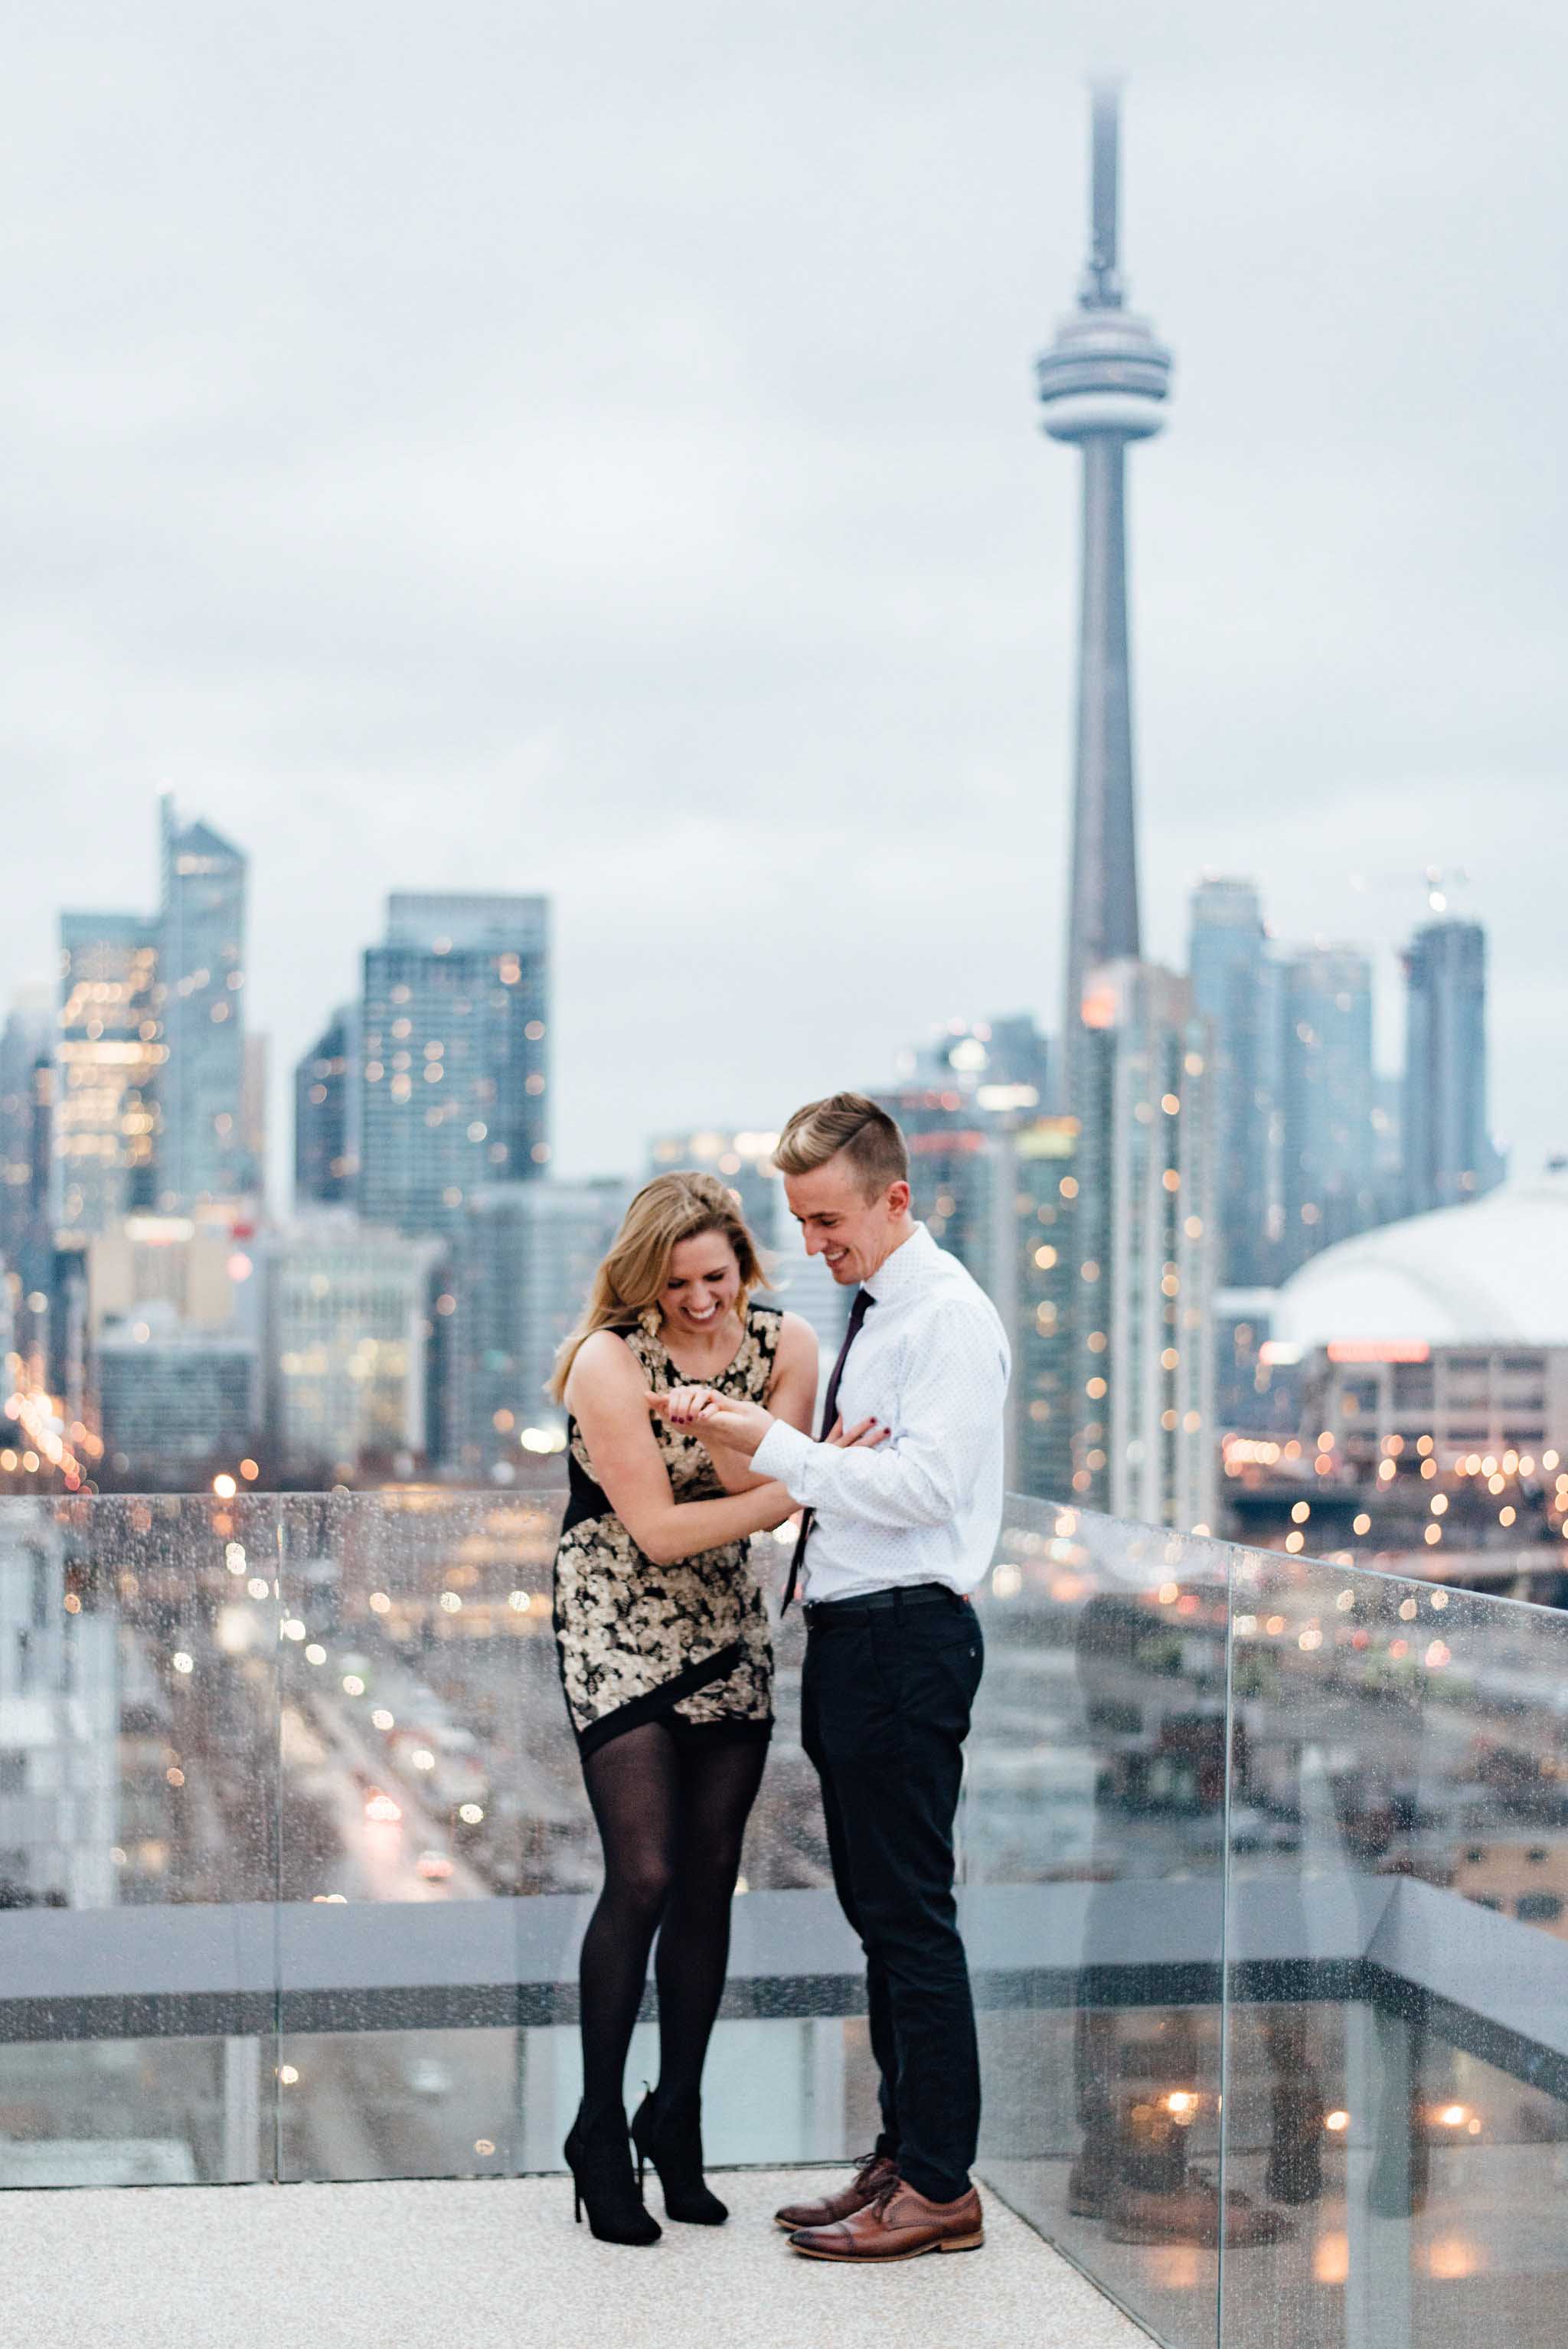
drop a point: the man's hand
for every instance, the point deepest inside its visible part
(740, 1426)
(863, 1438)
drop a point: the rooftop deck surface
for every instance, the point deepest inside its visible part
(387, 2266)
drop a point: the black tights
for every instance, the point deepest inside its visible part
(671, 1813)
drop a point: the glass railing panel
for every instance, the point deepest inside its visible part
(1093, 1850)
(139, 1708)
(1399, 1822)
(419, 1738)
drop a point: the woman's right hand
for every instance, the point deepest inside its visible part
(863, 1438)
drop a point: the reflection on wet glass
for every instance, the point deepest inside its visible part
(1265, 1880)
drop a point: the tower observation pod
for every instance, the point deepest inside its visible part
(1104, 381)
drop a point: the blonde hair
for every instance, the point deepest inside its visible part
(627, 1284)
(870, 1142)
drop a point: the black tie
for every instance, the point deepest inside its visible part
(857, 1311)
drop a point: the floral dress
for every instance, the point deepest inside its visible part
(638, 1641)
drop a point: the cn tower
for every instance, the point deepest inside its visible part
(1103, 382)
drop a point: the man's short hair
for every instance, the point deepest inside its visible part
(868, 1138)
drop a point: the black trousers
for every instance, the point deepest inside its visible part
(885, 1700)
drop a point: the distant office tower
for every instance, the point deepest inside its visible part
(1330, 1099)
(453, 1056)
(958, 1176)
(326, 1097)
(1145, 1233)
(1388, 1145)
(202, 1149)
(1448, 1148)
(254, 1108)
(1235, 987)
(1000, 1067)
(1021, 1063)
(1104, 382)
(176, 1404)
(347, 1323)
(26, 1235)
(522, 1262)
(742, 1160)
(60, 1728)
(109, 1054)
(163, 1260)
(1041, 1325)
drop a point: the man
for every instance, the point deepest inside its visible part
(894, 1539)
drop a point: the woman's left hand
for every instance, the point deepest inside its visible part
(682, 1406)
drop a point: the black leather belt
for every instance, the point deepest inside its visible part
(820, 1612)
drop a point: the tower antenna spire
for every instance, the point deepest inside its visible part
(1102, 288)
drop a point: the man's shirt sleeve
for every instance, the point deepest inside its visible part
(949, 1410)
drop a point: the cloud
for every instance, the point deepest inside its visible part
(593, 450)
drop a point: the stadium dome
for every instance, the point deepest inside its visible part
(1496, 1271)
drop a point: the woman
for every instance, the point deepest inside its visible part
(666, 1660)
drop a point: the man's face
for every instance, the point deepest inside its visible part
(837, 1221)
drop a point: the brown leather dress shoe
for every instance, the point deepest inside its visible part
(873, 2175)
(899, 2225)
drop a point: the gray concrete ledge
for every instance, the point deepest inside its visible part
(386, 2266)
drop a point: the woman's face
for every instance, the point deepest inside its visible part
(703, 1285)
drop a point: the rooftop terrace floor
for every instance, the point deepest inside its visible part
(389, 2266)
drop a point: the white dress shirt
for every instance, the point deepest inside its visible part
(930, 1362)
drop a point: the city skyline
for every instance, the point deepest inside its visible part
(574, 1160)
(692, 547)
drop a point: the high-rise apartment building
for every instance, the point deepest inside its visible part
(326, 1100)
(1235, 987)
(346, 1324)
(523, 1259)
(151, 1092)
(202, 1149)
(1042, 1325)
(109, 1056)
(176, 1403)
(1448, 1155)
(1330, 1100)
(26, 1232)
(1145, 1234)
(454, 1057)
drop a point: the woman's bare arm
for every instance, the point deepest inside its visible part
(608, 1397)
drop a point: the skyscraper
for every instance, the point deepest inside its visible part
(1329, 1100)
(1235, 988)
(1448, 1149)
(203, 1152)
(326, 1097)
(453, 1056)
(346, 1328)
(1103, 382)
(523, 1260)
(1144, 1230)
(1043, 1409)
(110, 1056)
(26, 1094)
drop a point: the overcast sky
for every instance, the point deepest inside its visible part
(591, 448)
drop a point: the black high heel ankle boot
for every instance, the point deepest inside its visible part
(599, 2155)
(671, 2139)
